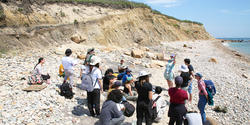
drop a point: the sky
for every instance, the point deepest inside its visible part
(221, 18)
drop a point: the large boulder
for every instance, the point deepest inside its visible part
(158, 63)
(77, 39)
(136, 53)
(160, 56)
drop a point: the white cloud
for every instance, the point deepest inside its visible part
(165, 3)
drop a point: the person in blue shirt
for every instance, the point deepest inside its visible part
(126, 76)
(168, 74)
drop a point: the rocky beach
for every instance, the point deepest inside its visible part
(230, 73)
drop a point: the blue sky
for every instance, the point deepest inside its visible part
(221, 18)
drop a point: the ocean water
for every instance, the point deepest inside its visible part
(242, 47)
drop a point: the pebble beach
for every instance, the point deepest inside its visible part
(230, 73)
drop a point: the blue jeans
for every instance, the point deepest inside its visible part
(201, 105)
(190, 87)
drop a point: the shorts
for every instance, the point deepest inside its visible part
(190, 87)
(169, 76)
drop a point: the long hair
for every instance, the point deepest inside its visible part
(39, 61)
(143, 79)
(109, 71)
(115, 95)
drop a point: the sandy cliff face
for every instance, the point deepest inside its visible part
(54, 24)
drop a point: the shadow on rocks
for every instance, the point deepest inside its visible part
(79, 111)
(81, 101)
(124, 123)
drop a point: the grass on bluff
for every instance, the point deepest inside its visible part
(120, 4)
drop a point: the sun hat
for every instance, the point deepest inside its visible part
(199, 75)
(183, 68)
(143, 73)
(90, 50)
(178, 80)
(94, 60)
(172, 55)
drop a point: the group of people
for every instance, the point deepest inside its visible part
(183, 90)
(122, 86)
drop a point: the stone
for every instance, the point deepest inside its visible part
(185, 45)
(81, 56)
(244, 75)
(160, 56)
(60, 51)
(150, 55)
(159, 63)
(136, 53)
(213, 60)
(153, 65)
(127, 53)
(77, 39)
(35, 88)
(211, 121)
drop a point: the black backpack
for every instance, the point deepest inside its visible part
(66, 90)
(154, 109)
(129, 108)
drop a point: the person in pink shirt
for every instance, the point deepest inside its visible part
(202, 96)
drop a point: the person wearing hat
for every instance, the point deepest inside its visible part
(177, 107)
(94, 96)
(90, 54)
(144, 101)
(203, 96)
(68, 64)
(128, 92)
(168, 74)
(186, 76)
(126, 76)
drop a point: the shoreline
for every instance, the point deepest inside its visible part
(235, 53)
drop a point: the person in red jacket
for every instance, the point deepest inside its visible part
(177, 107)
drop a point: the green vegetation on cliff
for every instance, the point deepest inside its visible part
(119, 4)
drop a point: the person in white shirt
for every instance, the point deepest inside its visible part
(68, 64)
(94, 96)
(161, 104)
(39, 70)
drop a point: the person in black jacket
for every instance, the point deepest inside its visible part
(144, 101)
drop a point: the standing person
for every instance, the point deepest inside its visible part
(121, 66)
(111, 113)
(191, 72)
(168, 74)
(177, 107)
(144, 101)
(186, 78)
(68, 64)
(90, 54)
(203, 96)
(94, 96)
(39, 70)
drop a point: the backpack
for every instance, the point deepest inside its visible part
(66, 90)
(129, 108)
(119, 77)
(210, 87)
(87, 82)
(154, 109)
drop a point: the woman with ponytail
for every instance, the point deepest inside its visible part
(144, 101)
(38, 70)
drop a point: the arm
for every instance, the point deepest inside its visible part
(81, 74)
(100, 83)
(129, 89)
(150, 95)
(203, 89)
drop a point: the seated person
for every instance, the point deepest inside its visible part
(116, 86)
(126, 76)
(106, 80)
(128, 92)
(161, 104)
(39, 70)
(111, 113)
(121, 67)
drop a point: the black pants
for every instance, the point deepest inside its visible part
(173, 120)
(94, 102)
(46, 77)
(144, 110)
